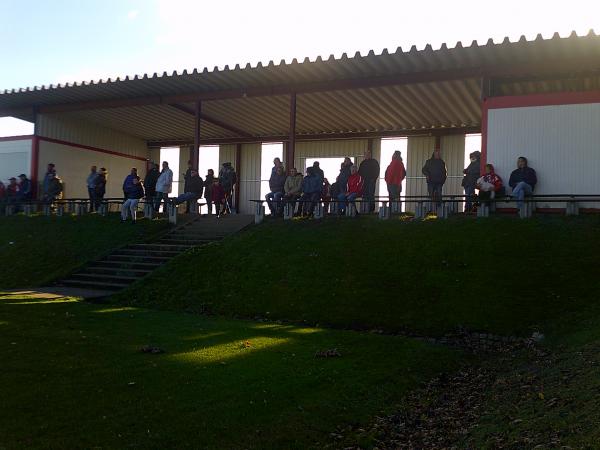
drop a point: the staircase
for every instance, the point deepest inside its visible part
(133, 262)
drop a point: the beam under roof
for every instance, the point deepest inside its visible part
(212, 120)
(319, 137)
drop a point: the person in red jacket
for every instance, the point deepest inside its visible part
(218, 197)
(394, 175)
(489, 184)
(353, 189)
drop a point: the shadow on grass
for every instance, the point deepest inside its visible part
(220, 383)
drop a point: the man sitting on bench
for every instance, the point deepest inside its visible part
(522, 181)
(194, 186)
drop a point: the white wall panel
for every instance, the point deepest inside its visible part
(73, 166)
(562, 143)
(249, 182)
(227, 154)
(453, 153)
(332, 149)
(15, 159)
(78, 131)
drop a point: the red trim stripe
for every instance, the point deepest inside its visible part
(94, 149)
(556, 98)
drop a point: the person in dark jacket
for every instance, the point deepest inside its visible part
(227, 179)
(100, 188)
(134, 193)
(50, 171)
(91, 187)
(311, 191)
(193, 190)
(218, 197)
(186, 179)
(25, 193)
(128, 182)
(435, 174)
(341, 180)
(469, 181)
(369, 172)
(276, 185)
(150, 182)
(209, 181)
(522, 180)
(53, 189)
(12, 190)
(318, 171)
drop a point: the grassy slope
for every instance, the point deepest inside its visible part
(36, 250)
(500, 275)
(68, 368)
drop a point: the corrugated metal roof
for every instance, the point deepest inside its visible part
(451, 102)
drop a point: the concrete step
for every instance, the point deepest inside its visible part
(134, 259)
(94, 284)
(187, 242)
(104, 277)
(125, 265)
(116, 270)
(159, 247)
(141, 251)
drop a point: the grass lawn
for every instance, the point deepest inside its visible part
(73, 377)
(502, 275)
(37, 250)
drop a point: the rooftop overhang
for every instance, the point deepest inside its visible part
(415, 92)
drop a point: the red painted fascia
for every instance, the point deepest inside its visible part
(93, 149)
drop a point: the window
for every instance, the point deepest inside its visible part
(472, 143)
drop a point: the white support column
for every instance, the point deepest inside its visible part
(259, 214)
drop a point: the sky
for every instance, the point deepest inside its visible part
(48, 42)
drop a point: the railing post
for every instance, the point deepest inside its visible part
(172, 212)
(483, 210)
(384, 211)
(419, 210)
(572, 208)
(10, 210)
(259, 214)
(81, 208)
(351, 209)
(364, 206)
(288, 211)
(148, 210)
(318, 210)
(103, 209)
(60, 209)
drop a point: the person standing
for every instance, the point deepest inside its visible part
(25, 193)
(50, 172)
(187, 176)
(435, 174)
(276, 163)
(53, 189)
(134, 193)
(276, 186)
(522, 180)
(128, 182)
(318, 171)
(100, 187)
(12, 190)
(394, 176)
(311, 188)
(369, 172)
(164, 186)
(91, 181)
(228, 179)
(469, 181)
(209, 181)
(150, 183)
(218, 197)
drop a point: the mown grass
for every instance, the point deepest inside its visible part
(37, 250)
(73, 377)
(500, 275)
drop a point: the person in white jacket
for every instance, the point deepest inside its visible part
(164, 184)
